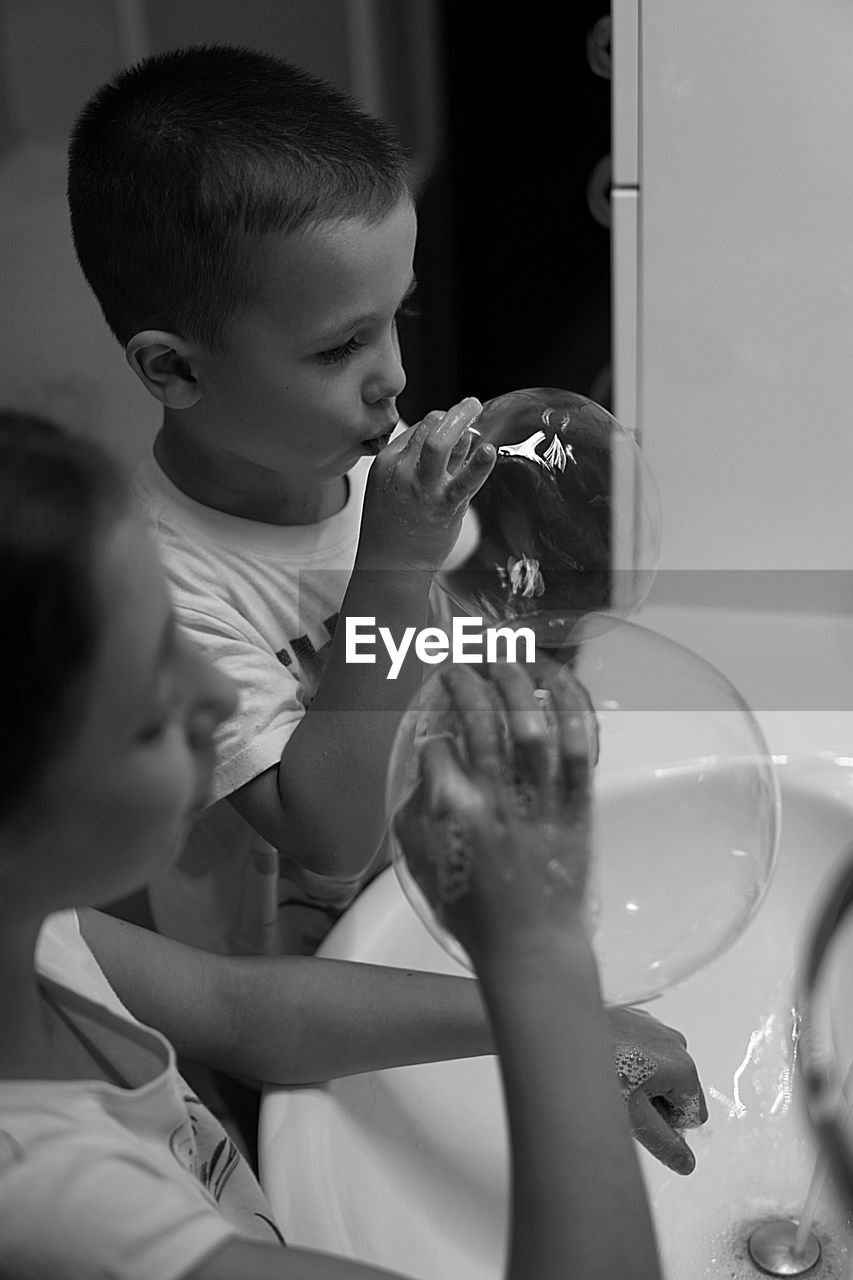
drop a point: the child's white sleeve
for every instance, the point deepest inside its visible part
(67, 1208)
(271, 702)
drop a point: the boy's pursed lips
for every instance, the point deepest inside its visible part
(376, 443)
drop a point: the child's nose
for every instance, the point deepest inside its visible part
(217, 692)
(211, 696)
(388, 379)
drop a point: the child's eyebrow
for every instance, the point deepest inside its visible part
(354, 322)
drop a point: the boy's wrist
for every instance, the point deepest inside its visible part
(385, 584)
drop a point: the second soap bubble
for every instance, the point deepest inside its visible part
(686, 802)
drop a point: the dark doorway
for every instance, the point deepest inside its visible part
(514, 267)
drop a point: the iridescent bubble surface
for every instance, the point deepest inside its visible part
(686, 802)
(569, 518)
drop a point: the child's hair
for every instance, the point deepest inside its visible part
(181, 161)
(59, 496)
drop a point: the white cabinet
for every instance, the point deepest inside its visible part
(733, 274)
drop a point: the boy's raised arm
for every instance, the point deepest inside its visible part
(325, 799)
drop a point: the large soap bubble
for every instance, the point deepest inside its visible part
(569, 518)
(686, 802)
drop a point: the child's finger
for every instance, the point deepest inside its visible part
(472, 474)
(577, 728)
(479, 718)
(438, 443)
(659, 1138)
(468, 441)
(414, 436)
(528, 726)
(447, 790)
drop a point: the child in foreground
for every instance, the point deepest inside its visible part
(108, 1164)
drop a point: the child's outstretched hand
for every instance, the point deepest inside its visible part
(497, 832)
(419, 489)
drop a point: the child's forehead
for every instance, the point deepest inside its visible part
(308, 279)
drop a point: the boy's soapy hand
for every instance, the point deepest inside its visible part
(497, 831)
(419, 489)
(660, 1085)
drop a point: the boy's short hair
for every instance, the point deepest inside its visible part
(180, 162)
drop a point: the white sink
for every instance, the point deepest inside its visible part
(408, 1168)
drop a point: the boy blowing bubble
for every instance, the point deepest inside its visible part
(250, 236)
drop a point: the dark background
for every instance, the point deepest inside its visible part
(514, 270)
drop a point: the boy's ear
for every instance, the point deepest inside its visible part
(163, 363)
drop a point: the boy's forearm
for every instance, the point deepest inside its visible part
(331, 779)
(569, 1132)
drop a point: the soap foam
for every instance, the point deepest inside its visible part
(633, 1067)
(688, 1115)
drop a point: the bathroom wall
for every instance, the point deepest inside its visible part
(56, 354)
(740, 377)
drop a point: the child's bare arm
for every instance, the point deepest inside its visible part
(498, 835)
(323, 805)
(300, 1019)
(287, 1019)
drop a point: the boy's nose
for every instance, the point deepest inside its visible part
(388, 379)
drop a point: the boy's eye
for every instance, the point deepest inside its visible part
(335, 354)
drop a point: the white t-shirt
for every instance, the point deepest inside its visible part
(262, 602)
(99, 1180)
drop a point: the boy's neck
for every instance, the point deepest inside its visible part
(241, 488)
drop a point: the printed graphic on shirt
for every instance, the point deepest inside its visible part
(273, 1228)
(214, 1172)
(311, 660)
(224, 1162)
